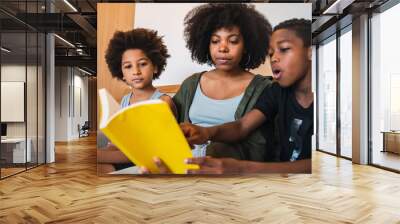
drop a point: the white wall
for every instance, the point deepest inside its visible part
(13, 72)
(80, 110)
(82, 83)
(12, 101)
(71, 94)
(61, 103)
(167, 19)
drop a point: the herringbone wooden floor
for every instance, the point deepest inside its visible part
(69, 191)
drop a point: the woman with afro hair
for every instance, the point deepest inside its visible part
(233, 38)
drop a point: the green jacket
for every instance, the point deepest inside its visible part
(254, 146)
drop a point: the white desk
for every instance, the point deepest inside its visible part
(18, 150)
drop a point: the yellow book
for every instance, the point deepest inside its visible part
(145, 130)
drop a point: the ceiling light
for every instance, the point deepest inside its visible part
(70, 5)
(64, 40)
(84, 71)
(337, 7)
(5, 50)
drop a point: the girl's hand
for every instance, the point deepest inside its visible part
(161, 167)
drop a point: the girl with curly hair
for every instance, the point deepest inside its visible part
(136, 57)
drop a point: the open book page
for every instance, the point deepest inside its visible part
(129, 170)
(108, 106)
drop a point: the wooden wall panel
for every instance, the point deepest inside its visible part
(169, 88)
(110, 18)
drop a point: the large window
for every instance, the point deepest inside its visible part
(385, 89)
(345, 60)
(327, 95)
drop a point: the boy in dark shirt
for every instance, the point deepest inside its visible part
(289, 100)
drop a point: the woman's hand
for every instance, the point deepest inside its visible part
(195, 134)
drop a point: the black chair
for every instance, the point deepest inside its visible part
(84, 130)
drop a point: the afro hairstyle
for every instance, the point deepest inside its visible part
(144, 39)
(202, 21)
(301, 27)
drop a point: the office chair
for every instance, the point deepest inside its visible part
(84, 130)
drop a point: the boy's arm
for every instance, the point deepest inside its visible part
(210, 165)
(266, 107)
(228, 132)
(237, 130)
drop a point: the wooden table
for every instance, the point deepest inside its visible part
(391, 141)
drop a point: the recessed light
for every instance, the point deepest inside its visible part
(5, 49)
(84, 71)
(64, 40)
(70, 5)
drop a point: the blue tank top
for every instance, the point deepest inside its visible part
(126, 99)
(207, 112)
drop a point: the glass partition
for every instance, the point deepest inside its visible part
(22, 89)
(13, 102)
